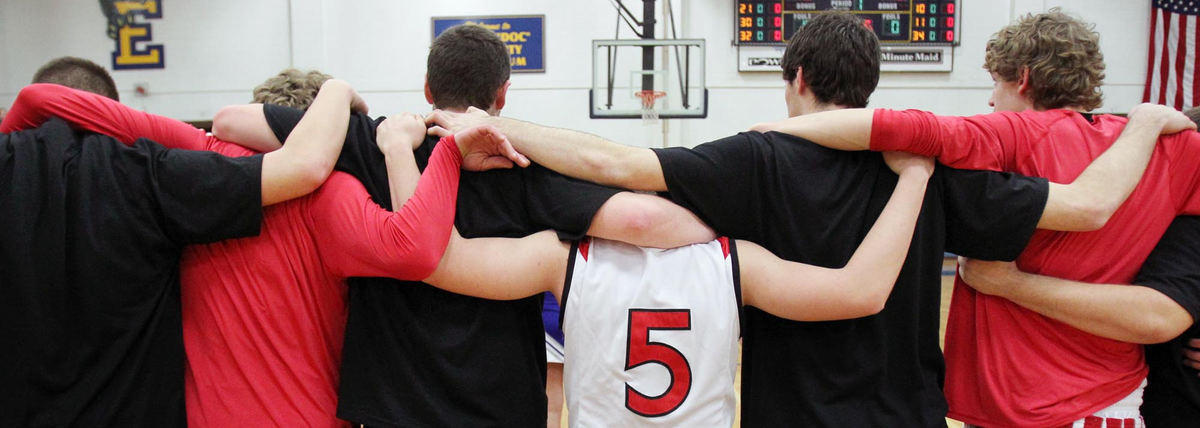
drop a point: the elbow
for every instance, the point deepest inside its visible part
(872, 306)
(33, 94)
(1157, 329)
(867, 303)
(426, 263)
(312, 173)
(222, 125)
(642, 222)
(1094, 216)
(1088, 210)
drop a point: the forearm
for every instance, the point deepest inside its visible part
(845, 129)
(585, 156)
(502, 268)
(1089, 201)
(1129, 313)
(311, 150)
(403, 174)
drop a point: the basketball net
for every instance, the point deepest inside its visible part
(649, 100)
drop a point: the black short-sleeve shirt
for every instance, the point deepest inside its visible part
(419, 356)
(814, 205)
(89, 271)
(1172, 396)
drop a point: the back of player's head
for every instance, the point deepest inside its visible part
(1061, 54)
(291, 88)
(466, 67)
(1193, 114)
(77, 73)
(839, 56)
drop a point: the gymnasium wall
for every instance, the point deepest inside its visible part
(217, 50)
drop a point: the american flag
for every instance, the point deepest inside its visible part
(1174, 42)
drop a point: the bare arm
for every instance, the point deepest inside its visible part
(312, 148)
(245, 125)
(648, 221)
(804, 292)
(503, 268)
(1089, 201)
(572, 153)
(845, 129)
(395, 139)
(1129, 313)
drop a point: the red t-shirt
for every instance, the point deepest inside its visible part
(1009, 366)
(263, 317)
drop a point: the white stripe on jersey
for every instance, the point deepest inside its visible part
(651, 335)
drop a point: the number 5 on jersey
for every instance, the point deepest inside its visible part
(641, 350)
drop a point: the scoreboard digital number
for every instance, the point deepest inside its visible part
(908, 22)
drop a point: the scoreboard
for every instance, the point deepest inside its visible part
(896, 22)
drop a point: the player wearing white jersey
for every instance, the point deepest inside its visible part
(652, 334)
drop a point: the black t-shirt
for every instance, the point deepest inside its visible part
(419, 356)
(814, 205)
(89, 271)
(1172, 396)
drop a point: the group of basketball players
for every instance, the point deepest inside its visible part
(827, 268)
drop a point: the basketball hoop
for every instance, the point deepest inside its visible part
(649, 99)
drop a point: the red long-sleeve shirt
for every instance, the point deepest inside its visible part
(1009, 366)
(263, 317)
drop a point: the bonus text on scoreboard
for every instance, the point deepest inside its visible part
(913, 22)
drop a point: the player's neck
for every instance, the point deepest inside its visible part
(815, 107)
(490, 111)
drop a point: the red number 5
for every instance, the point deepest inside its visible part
(642, 351)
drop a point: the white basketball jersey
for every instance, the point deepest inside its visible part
(651, 335)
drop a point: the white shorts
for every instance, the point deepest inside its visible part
(1126, 413)
(554, 350)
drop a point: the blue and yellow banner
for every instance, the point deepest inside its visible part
(133, 50)
(524, 36)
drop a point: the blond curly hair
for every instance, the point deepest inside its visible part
(290, 88)
(1061, 53)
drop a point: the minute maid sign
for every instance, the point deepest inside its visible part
(524, 36)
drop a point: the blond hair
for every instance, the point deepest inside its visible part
(1061, 53)
(291, 88)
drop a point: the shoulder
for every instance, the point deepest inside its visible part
(749, 144)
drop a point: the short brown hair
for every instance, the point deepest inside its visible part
(1061, 53)
(290, 88)
(467, 64)
(840, 57)
(1193, 114)
(78, 73)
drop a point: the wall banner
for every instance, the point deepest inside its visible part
(523, 34)
(133, 49)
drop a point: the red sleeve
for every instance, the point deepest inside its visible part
(986, 142)
(95, 113)
(358, 238)
(1183, 154)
